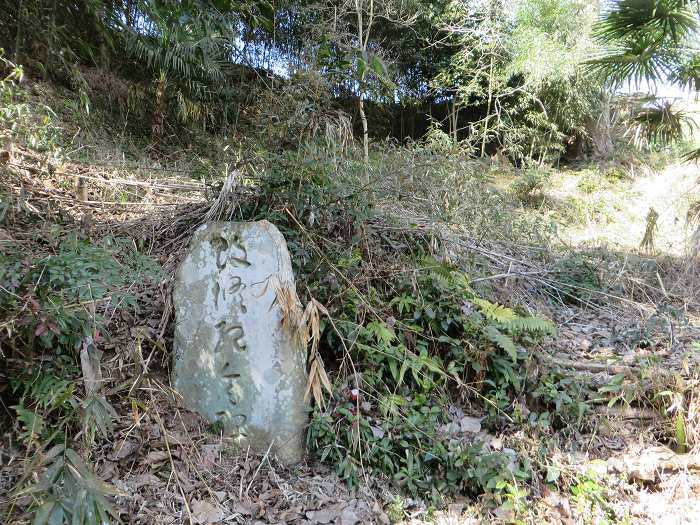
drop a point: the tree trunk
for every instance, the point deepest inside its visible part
(455, 127)
(158, 122)
(602, 130)
(51, 44)
(18, 35)
(488, 110)
(100, 27)
(363, 38)
(365, 134)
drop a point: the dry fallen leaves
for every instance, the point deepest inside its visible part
(205, 512)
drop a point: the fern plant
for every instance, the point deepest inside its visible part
(504, 324)
(495, 323)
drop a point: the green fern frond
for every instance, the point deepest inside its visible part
(495, 312)
(501, 340)
(443, 274)
(510, 321)
(531, 325)
(444, 282)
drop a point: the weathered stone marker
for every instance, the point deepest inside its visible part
(234, 362)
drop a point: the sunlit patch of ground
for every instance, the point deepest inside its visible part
(615, 214)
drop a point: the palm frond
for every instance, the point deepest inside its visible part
(185, 45)
(665, 18)
(693, 214)
(660, 123)
(692, 156)
(686, 73)
(644, 39)
(635, 59)
(190, 48)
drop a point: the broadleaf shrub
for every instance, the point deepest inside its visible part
(66, 293)
(389, 417)
(55, 305)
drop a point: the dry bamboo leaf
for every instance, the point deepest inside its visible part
(318, 381)
(310, 382)
(322, 374)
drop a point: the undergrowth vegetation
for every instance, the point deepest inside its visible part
(469, 341)
(429, 367)
(409, 336)
(56, 309)
(434, 338)
(426, 367)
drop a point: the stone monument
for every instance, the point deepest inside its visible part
(234, 362)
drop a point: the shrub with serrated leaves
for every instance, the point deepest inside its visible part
(563, 398)
(57, 303)
(55, 306)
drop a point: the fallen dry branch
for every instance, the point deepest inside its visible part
(649, 465)
(591, 366)
(628, 412)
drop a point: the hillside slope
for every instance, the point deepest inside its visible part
(439, 287)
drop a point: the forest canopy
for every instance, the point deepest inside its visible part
(528, 79)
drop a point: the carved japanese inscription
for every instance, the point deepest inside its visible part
(234, 362)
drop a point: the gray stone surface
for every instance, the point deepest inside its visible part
(234, 362)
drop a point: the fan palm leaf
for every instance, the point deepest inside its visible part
(644, 39)
(665, 18)
(692, 156)
(686, 73)
(661, 123)
(635, 60)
